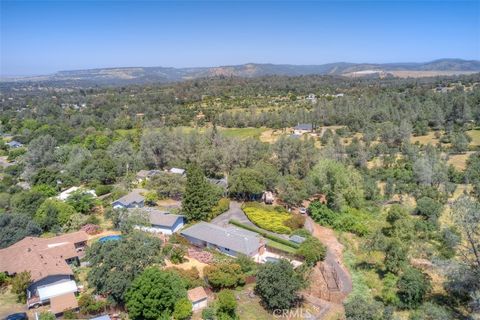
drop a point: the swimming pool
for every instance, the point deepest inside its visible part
(271, 259)
(108, 238)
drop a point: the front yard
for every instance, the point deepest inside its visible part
(271, 218)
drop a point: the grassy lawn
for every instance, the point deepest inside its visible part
(242, 133)
(9, 304)
(475, 135)
(281, 246)
(266, 217)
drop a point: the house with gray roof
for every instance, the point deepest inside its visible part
(231, 240)
(302, 128)
(132, 200)
(14, 144)
(162, 221)
(143, 175)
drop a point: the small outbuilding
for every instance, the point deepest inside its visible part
(198, 297)
(132, 200)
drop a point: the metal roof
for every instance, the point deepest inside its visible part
(57, 289)
(232, 238)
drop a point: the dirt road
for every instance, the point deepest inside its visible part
(334, 259)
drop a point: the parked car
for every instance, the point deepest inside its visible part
(303, 210)
(17, 316)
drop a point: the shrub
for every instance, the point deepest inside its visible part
(264, 234)
(3, 279)
(226, 303)
(192, 276)
(208, 313)
(312, 250)
(224, 275)
(222, 206)
(183, 309)
(102, 189)
(20, 283)
(45, 315)
(349, 219)
(413, 286)
(267, 218)
(88, 304)
(295, 222)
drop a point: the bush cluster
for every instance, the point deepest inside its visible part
(268, 218)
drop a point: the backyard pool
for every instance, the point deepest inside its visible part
(271, 259)
(108, 238)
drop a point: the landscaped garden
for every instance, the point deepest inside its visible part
(271, 218)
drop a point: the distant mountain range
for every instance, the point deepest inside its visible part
(139, 75)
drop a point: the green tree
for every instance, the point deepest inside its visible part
(224, 275)
(183, 309)
(429, 208)
(245, 183)
(27, 202)
(292, 190)
(395, 256)
(312, 250)
(413, 286)
(360, 308)
(88, 304)
(227, 304)
(114, 264)
(82, 201)
(15, 227)
(278, 285)
(431, 311)
(342, 185)
(20, 283)
(53, 213)
(154, 293)
(199, 197)
(45, 315)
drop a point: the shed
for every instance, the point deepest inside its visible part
(198, 297)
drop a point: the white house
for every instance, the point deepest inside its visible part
(302, 128)
(163, 222)
(64, 195)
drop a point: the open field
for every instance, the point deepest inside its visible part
(459, 161)
(429, 138)
(475, 135)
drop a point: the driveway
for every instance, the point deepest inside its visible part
(235, 212)
(334, 255)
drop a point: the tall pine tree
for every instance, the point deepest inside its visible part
(199, 197)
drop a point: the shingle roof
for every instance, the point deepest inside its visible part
(196, 294)
(62, 303)
(158, 217)
(130, 198)
(42, 257)
(235, 239)
(303, 126)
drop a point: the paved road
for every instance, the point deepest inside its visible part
(235, 212)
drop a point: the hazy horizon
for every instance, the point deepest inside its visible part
(44, 37)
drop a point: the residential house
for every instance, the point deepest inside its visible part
(132, 200)
(145, 175)
(221, 183)
(312, 98)
(177, 171)
(231, 240)
(64, 195)
(198, 297)
(48, 260)
(302, 128)
(14, 144)
(162, 222)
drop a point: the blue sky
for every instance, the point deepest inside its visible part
(46, 36)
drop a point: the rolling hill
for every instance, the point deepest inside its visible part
(139, 75)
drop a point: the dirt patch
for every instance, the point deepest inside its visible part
(190, 263)
(459, 161)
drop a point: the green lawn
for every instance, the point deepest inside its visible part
(475, 135)
(243, 133)
(281, 246)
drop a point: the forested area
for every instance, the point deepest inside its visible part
(393, 202)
